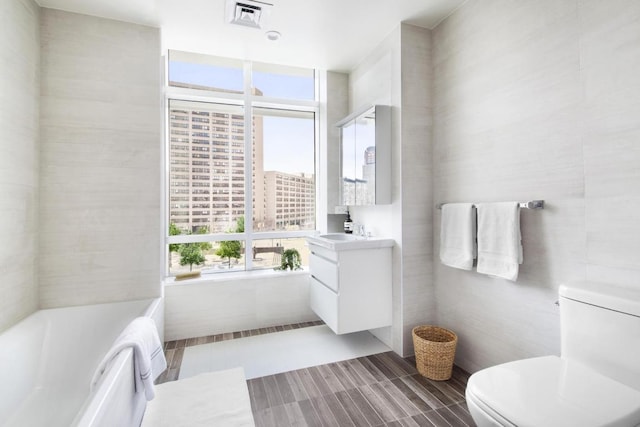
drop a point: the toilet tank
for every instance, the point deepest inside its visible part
(600, 327)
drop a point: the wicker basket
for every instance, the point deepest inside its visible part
(435, 348)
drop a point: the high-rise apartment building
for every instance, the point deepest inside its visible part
(207, 174)
(207, 157)
(289, 200)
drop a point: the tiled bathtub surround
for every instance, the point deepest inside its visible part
(101, 144)
(19, 123)
(80, 147)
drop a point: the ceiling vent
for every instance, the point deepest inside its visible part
(247, 13)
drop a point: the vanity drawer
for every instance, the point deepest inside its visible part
(323, 252)
(324, 271)
(324, 302)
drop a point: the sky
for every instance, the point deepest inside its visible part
(297, 153)
(288, 142)
(276, 85)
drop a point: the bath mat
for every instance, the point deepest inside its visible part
(269, 354)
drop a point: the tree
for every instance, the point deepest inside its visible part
(232, 248)
(174, 230)
(205, 246)
(191, 253)
(240, 225)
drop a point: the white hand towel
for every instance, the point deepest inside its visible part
(457, 235)
(149, 361)
(499, 240)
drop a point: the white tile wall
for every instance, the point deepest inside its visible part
(337, 108)
(398, 73)
(209, 307)
(19, 95)
(610, 52)
(526, 100)
(377, 80)
(537, 100)
(418, 300)
(101, 169)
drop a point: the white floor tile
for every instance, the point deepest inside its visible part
(277, 352)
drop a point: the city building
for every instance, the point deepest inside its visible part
(289, 200)
(207, 173)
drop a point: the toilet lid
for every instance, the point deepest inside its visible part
(549, 391)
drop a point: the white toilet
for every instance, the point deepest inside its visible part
(595, 382)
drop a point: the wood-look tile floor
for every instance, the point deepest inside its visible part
(378, 390)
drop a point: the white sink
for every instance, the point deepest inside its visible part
(344, 242)
(340, 236)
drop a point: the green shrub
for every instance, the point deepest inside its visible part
(290, 260)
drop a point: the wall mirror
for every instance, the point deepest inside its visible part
(365, 157)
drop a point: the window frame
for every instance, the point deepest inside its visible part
(248, 101)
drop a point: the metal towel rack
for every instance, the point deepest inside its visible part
(531, 204)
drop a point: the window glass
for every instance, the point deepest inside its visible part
(194, 71)
(268, 253)
(278, 81)
(207, 161)
(206, 256)
(284, 165)
(217, 178)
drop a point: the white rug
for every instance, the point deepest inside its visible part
(269, 354)
(212, 399)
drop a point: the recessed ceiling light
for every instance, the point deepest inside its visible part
(273, 35)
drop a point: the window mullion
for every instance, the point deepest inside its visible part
(248, 166)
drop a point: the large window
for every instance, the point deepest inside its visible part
(241, 163)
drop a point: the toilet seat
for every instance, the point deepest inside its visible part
(550, 391)
(484, 415)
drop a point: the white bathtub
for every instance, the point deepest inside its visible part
(47, 361)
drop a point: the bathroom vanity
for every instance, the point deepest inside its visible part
(351, 281)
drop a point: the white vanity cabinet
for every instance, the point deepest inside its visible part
(351, 286)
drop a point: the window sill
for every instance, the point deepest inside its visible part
(232, 276)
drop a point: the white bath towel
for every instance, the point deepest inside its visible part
(218, 398)
(499, 241)
(142, 336)
(457, 235)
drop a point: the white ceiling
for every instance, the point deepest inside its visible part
(328, 34)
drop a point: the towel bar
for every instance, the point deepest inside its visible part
(531, 204)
